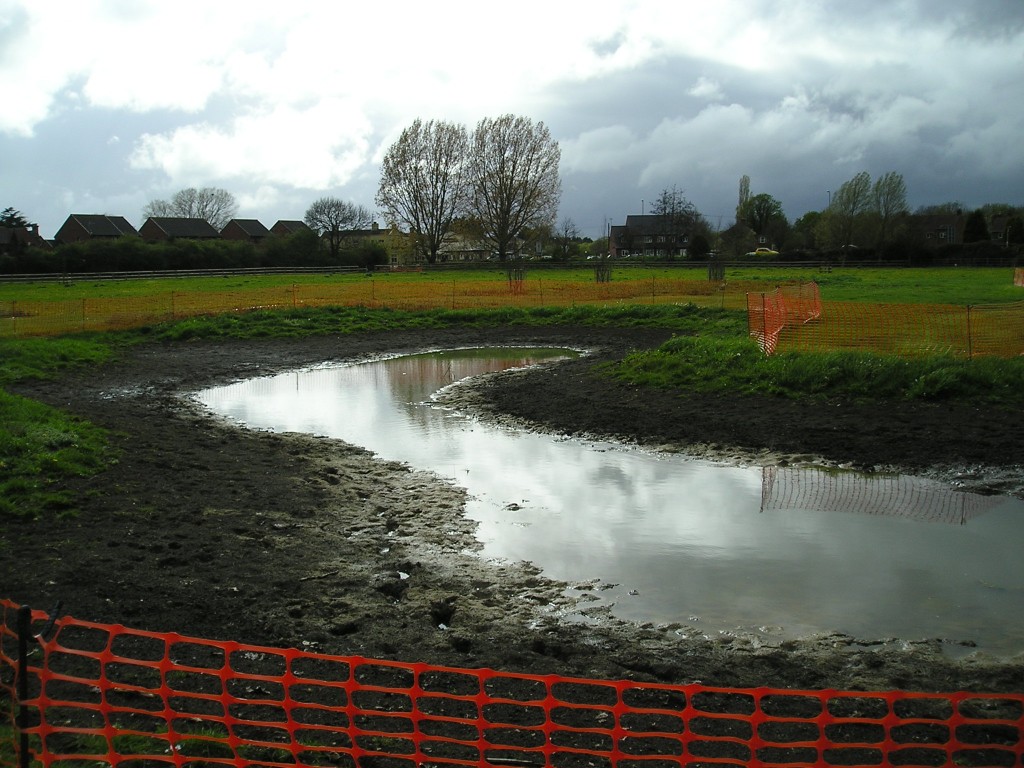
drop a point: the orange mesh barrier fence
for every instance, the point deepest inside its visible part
(399, 291)
(102, 695)
(1018, 277)
(769, 313)
(900, 329)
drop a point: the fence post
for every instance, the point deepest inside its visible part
(764, 325)
(24, 632)
(970, 345)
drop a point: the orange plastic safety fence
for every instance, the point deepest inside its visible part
(768, 314)
(1018, 277)
(398, 291)
(107, 695)
(779, 323)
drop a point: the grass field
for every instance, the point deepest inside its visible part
(940, 285)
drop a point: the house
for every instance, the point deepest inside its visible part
(650, 235)
(997, 229)
(288, 227)
(939, 228)
(456, 247)
(351, 238)
(16, 238)
(247, 230)
(164, 228)
(80, 227)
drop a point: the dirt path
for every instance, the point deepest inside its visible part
(298, 541)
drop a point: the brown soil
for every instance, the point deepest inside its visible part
(292, 540)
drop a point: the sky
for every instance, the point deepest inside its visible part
(110, 104)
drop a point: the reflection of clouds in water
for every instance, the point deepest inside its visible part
(690, 537)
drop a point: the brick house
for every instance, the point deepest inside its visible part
(246, 230)
(79, 226)
(650, 235)
(163, 228)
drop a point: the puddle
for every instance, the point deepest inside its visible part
(667, 539)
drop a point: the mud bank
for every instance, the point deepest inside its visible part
(292, 540)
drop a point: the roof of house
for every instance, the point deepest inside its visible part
(176, 226)
(652, 223)
(251, 227)
(290, 225)
(101, 225)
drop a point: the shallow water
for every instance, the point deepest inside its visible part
(670, 539)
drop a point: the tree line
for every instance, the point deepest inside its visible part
(862, 215)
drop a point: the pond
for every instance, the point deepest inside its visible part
(671, 539)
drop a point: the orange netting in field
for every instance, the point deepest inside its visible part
(788, 305)
(1018, 277)
(779, 323)
(398, 291)
(102, 695)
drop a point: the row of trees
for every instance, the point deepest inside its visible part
(862, 213)
(497, 182)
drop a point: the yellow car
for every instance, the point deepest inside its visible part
(763, 252)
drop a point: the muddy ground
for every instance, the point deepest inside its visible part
(293, 540)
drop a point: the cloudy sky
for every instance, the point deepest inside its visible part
(109, 104)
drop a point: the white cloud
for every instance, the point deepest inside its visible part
(318, 147)
(706, 88)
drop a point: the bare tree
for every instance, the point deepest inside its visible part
(680, 219)
(849, 204)
(566, 239)
(217, 206)
(422, 182)
(890, 200)
(514, 179)
(744, 197)
(330, 218)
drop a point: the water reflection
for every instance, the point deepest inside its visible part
(670, 539)
(880, 494)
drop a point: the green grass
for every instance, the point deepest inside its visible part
(891, 285)
(40, 446)
(737, 365)
(345, 320)
(938, 285)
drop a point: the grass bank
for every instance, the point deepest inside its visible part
(737, 365)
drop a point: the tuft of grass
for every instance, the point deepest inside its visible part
(41, 358)
(40, 448)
